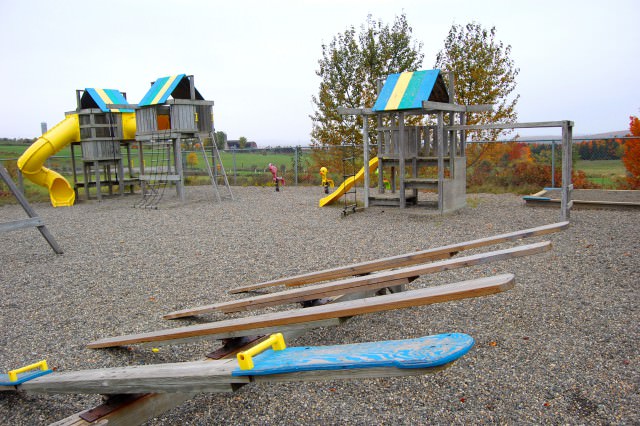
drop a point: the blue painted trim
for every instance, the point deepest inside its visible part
(385, 93)
(532, 198)
(97, 99)
(148, 98)
(424, 352)
(22, 377)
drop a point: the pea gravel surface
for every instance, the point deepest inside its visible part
(559, 348)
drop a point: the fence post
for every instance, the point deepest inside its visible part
(235, 172)
(295, 167)
(567, 186)
(553, 164)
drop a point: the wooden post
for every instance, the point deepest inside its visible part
(96, 164)
(402, 140)
(177, 158)
(440, 139)
(567, 187)
(365, 153)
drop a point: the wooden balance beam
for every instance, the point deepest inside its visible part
(402, 260)
(426, 296)
(358, 284)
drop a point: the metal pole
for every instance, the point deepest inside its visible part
(235, 171)
(295, 169)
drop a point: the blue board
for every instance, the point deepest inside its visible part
(22, 377)
(423, 352)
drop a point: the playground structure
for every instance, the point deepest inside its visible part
(100, 130)
(104, 124)
(416, 153)
(171, 114)
(347, 291)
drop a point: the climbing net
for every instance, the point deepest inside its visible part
(156, 173)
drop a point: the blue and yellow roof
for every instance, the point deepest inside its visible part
(407, 90)
(104, 97)
(160, 90)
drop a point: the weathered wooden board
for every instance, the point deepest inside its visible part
(201, 376)
(366, 282)
(460, 290)
(402, 260)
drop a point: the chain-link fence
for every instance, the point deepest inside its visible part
(517, 167)
(528, 166)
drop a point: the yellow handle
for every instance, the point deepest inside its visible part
(275, 341)
(13, 374)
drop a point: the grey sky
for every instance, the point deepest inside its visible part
(578, 60)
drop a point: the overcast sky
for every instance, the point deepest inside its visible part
(578, 60)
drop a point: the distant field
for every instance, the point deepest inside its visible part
(602, 172)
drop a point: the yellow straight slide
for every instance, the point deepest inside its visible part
(347, 184)
(31, 163)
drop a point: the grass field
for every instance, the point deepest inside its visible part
(602, 172)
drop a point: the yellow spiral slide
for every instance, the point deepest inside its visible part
(31, 163)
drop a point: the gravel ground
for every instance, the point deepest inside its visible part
(560, 348)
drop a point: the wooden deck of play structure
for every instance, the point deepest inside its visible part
(329, 298)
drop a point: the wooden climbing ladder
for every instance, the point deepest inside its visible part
(34, 219)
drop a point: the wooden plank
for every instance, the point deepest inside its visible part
(366, 282)
(301, 294)
(460, 290)
(302, 327)
(401, 260)
(529, 125)
(211, 376)
(200, 376)
(152, 404)
(20, 224)
(442, 106)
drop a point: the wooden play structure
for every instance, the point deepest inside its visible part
(328, 298)
(417, 156)
(105, 132)
(421, 157)
(173, 114)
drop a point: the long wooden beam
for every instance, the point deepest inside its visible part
(357, 284)
(406, 299)
(402, 260)
(195, 376)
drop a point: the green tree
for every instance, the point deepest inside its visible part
(350, 67)
(242, 142)
(221, 139)
(484, 74)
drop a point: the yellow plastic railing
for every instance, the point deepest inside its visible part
(13, 374)
(245, 358)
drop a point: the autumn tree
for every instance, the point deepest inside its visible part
(349, 70)
(631, 157)
(221, 139)
(484, 74)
